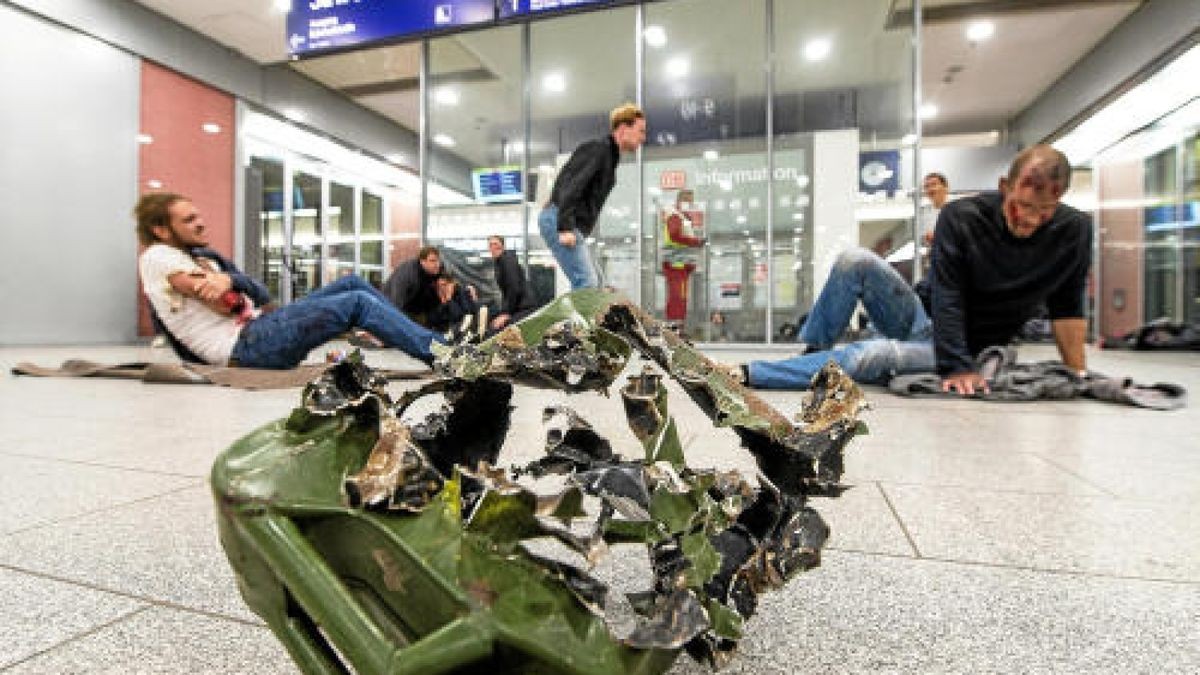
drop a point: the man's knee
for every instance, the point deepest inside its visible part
(871, 361)
(857, 258)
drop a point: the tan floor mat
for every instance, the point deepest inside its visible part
(190, 373)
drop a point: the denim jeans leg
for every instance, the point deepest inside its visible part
(575, 261)
(857, 275)
(867, 362)
(282, 338)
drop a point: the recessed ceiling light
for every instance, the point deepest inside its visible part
(282, 5)
(446, 96)
(711, 155)
(294, 114)
(678, 66)
(656, 36)
(211, 128)
(741, 219)
(444, 140)
(979, 31)
(145, 139)
(928, 111)
(818, 49)
(154, 184)
(554, 82)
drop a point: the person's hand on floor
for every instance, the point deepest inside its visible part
(966, 383)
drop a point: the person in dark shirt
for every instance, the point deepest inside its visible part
(412, 286)
(454, 305)
(516, 300)
(997, 257)
(579, 193)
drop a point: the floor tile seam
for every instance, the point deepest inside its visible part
(147, 600)
(899, 521)
(1077, 476)
(980, 488)
(102, 465)
(1108, 496)
(84, 514)
(77, 637)
(1020, 568)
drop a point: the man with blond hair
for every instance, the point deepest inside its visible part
(579, 193)
(214, 310)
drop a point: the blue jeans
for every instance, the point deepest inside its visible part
(575, 261)
(281, 339)
(895, 310)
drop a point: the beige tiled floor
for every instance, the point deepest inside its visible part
(1042, 537)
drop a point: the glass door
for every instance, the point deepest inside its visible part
(271, 222)
(307, 230)
(341, 234)
(370, 237)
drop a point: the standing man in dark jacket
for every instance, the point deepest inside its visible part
(579, 193)
(516, 300)
(997, 257)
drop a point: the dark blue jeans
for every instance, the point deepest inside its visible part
(284, 337)
(575, 261)
(895, 310)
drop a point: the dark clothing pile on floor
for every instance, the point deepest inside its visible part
(1045, 380)
(1160, 335)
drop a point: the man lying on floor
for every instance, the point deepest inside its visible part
(996, 257)
(201, 308)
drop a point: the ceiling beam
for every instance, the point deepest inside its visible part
(411, 83)
(902, 18)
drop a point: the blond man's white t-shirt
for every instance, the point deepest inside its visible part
(210, 335)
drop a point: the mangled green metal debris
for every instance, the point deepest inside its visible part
(384, 547)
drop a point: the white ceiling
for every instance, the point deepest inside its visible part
(996, 79)
(1001, 76)
(253, 27)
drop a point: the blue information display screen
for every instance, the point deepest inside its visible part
(509, 8)
(316, 25)
(501, 184)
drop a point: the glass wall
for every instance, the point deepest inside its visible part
(728, 220)
(759, 116)
(842, 103)
(267, 176)
(476, 143)
(580, 68)
(317, 211)
(1148, 217)
(706, 161)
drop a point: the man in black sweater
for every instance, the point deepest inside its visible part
(516, 300)
(580, 191)
(412, 286)
(996, 257)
